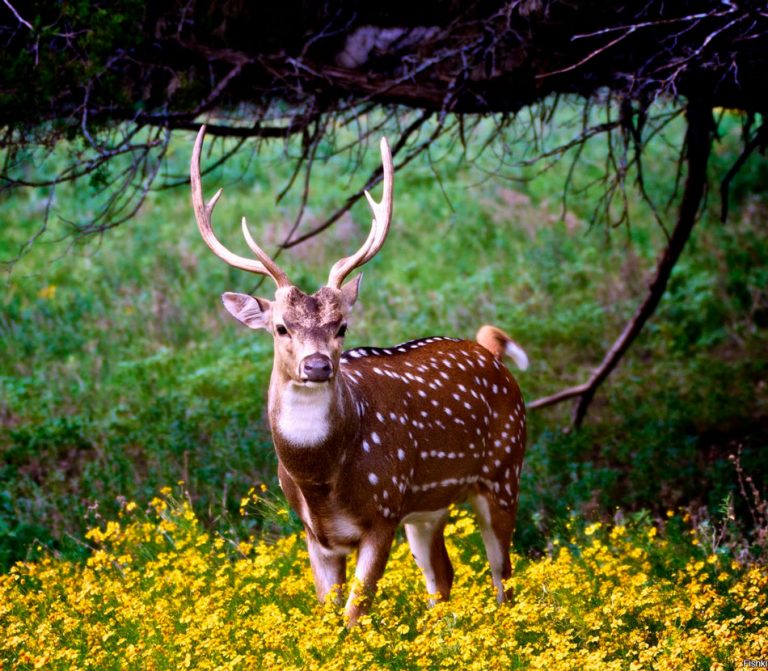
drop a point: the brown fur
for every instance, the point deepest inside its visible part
(374, 438)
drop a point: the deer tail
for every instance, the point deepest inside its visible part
(499, 343)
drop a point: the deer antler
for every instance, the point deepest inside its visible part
(382, 216)
(203, 212)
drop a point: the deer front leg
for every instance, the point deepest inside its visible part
(372, 555)
(329, 569)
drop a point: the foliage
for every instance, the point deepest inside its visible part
(119, 373)
(115, 78)
(159, 591)
(81, 66)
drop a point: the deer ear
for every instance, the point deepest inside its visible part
(253, 312)
(349, 292)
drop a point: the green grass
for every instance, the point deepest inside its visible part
(121, 373)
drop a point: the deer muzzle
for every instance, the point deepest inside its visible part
(316, 368)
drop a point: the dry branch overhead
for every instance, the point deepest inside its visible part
(108, 75)
(77, 68)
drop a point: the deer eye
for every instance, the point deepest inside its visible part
(342, 331)
(281, 330)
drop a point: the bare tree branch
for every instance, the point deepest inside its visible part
(17, 15)
(759, 139)
(372, 181)
(27, 245)
(698, 143)
(219, 130)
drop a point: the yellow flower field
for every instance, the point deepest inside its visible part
(160, 592)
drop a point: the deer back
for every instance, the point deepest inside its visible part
(435, 417)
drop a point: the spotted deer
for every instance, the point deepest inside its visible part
(375, 437)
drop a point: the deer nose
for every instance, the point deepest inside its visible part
(316, 368)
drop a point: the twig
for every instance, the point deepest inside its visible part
(590, 56)
(760, 138)
(17, 15)
(27, 245)
(257, 130)
(183, 181)
(374, 179)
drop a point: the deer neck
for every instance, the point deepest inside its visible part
(311, 425)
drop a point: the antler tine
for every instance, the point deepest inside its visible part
(272, 268)
(203, 212)
(382, 217)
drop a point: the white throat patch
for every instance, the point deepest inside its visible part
(303, 417)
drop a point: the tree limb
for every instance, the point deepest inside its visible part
(698, 143)
(759, 140)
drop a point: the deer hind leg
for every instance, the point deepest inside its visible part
(496, 527)
(427, 543)
(329, 569)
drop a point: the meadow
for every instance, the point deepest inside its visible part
(160, 592)
(120, 375)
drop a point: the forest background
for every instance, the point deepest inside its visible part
(121, 376)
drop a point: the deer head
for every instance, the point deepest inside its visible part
(308, 330)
